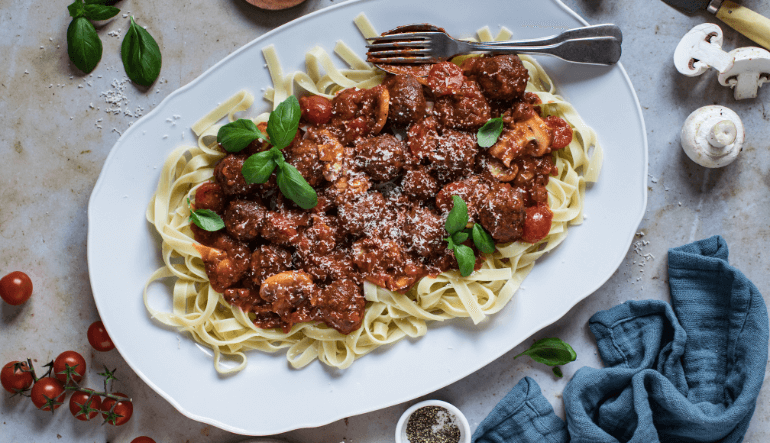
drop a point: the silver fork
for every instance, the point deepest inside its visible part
(419, 44)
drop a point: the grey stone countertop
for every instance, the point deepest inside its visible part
(57, 132)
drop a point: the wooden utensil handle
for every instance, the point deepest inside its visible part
(746, 21)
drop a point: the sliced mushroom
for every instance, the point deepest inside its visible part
(750, 70)
(700, 49)
(713, 136)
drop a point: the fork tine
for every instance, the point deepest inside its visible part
(400, 53)
(400, 37)
(396, 45)
(402, 60)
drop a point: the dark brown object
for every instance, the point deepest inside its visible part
(432, 424)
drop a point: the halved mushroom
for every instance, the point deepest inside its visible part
(700, 49)
(530, 136)
(750, 70)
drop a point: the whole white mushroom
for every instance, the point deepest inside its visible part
(713, 136)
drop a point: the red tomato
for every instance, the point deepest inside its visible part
(561, 130)
(48, 392)
(85, 406)
(72, 360)
(316, 110)
(445, 78)
(142, 439)
(120, 414)
(15, 380)
(99, 338)
(15, 288)
(538, 223)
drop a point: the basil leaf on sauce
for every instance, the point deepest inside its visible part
(551, 352)
(141, 55)
(100, 12)
(83, 44)
(490, 132)
(466, 259)
(458, 216)
(207, 220)
(235, 136)
(258, 167)
(294, 186)
(459, 237)
(482, 239)
(283, 122)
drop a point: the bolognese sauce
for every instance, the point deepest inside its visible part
(385, 163)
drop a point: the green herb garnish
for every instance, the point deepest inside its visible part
(206, 219)
(557, 372)
(294, 186)
(141, 55)
(283, 122)
(456, 223)
(83, 44)
(551, 352)
(236, 136)
(490, 132)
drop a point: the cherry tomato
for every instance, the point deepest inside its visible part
(561, 130)
(46, 391)
(99, 338)
(15, 288)
(122, 412)
(316, 110)
(142, 439)
(16, 380)
(210, 196)
(82, 409)
(72, 360)
(538, 223)
(445, 78)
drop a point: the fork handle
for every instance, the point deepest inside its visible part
(596, 50)
(606, 30)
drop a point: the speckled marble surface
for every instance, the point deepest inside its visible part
(58, 131)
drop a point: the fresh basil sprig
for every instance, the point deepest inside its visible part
(552, 352)
(490, 132)
(282, 126)
(206, 219)
(456, 223)
(141, 55)
(83, 44)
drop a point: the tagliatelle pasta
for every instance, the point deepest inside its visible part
(389, 316)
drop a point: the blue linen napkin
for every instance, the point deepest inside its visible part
(690, 373)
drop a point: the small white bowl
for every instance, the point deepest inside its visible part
(460, 420)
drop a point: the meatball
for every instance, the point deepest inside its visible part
(305, 157)
(333, 266)
(423, 137)
(363, 215)
(501, 213)
(418, 184)
(320, 238)
(359, 112)
(283, 227)
(244, 218)
(210, 196)
(454, 156)
(467, 109)
(287, 292)
(472, 190)
(342, 306)
(407, 102)
(229, 176)
(266, 261)
(423, 232)
(382, 157)
(384, 263)
(502, 77)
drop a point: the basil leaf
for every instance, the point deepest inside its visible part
(551, 352)
(100, 2)
(76, 9)
(100, 12)
(451, 244)
(490, 132)
(482, 239)
(258, 167)
(277, 155)
(283, 122)
(459, 237)
(557, 372)
(207, 220)
(83, 44)
(235, 136)
(458, 216)
(465, 259)
(294, 186)
(141, 55)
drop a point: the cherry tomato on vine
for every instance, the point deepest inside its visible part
(81, 408)
(142, 439)
(16, 380)
(47, 392)
(76, 364)
(99, 338)
(122, 412)
(15, 288)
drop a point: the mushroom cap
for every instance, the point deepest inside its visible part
(699, 128)
(750, 70)
(700, 49)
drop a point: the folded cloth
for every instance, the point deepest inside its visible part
(687, 374)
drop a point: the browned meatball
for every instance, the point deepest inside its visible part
(342, 305)
(424, 232)
(418, 184)
(382, 157)
(502, 77)
(471, 190)
(454, 156)
(305, 157)
(210, 196)
(333, 266)
(320, 238)
(423, 137)
(229, 176)
(288, 291)
(407, 102)
(363, 215)
(283, 227)
(468, 109)
(268, 260)
(501, 213)
(244, 218)
(385, 263)
(359, 112)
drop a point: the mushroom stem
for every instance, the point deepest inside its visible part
(723, 133)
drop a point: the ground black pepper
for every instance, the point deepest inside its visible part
(432, 424)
